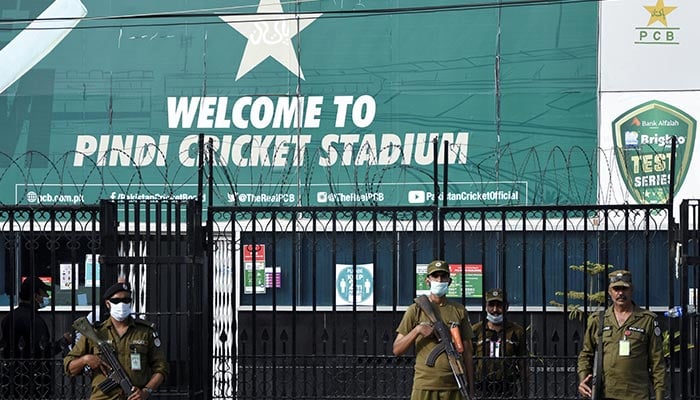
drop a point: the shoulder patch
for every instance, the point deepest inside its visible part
(145, 323)
(657, 331)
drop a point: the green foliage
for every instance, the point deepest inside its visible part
(597, 295)
(667, 344)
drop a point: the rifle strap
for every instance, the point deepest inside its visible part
(433, 315)
(601, 325)
(426, 305)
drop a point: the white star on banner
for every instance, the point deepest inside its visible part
(269, 36)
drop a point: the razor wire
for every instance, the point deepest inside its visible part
(555, 176)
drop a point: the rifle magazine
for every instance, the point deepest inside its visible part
(107, 385)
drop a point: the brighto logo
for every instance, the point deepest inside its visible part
(631, 139)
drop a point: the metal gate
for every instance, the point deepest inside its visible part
(159, 247)
(282, 329)
(685, 331)
(81, 250)
(269, 339)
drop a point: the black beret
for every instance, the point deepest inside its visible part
(117, 287)
(25, 291)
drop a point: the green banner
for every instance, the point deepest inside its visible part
(316, 103)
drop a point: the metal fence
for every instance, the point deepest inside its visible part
(284, 329)
(81, 250)
(258, 309)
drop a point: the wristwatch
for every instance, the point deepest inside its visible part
(148, 390)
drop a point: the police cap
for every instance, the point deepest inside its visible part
(117, 287)
(620, 278)
(25, 291)
(438, 266)
(495, 295)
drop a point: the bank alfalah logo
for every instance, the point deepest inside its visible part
(657, 29)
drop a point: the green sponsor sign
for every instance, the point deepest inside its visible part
(643, 143)
(472, 274)
(254, 269)
(319, 103)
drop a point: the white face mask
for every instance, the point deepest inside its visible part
(439, 288)
(494, 319)
(120, 311)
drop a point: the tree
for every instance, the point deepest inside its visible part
(597, 295)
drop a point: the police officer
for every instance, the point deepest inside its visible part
(495, 340)
(31, 344)
(438, 381)
(632, 347)
(136, 344)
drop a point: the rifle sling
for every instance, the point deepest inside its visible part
(434, 316)
(601, 323)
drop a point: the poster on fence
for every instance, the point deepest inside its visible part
(69, 276)
(254, 272)
(273, 277)
(92, 271)
(471, 273)
(354, 285)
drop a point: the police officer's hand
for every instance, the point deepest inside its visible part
(137, 394)
(95, 363)
(425, 329)
(92, 361)
(584, 388)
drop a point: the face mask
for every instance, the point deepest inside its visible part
(45, 302)
(495, 319)
(120, 311)
(439, 288)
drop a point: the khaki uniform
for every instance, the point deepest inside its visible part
(439, 377)
(140, 338)
(626, 376)
(494, 373)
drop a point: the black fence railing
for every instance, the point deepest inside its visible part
(284, 326)
(290, 320)
(81, 250)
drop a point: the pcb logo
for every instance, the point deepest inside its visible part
(642, 138)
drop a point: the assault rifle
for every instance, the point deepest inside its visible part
(597, 380)
(444, 345)
(116, 376)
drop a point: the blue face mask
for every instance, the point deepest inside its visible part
(439, 288)
(45, 302)
(495, 319)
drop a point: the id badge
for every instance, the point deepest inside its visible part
(624, 348)
(135, 362)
